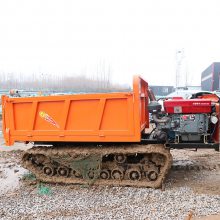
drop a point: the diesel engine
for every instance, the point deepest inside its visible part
(191, 120)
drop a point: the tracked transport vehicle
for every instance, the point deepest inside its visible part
(108, 138)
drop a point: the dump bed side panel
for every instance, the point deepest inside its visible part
(140, 89)
(110, 117)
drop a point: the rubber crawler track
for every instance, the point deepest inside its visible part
(49, 152)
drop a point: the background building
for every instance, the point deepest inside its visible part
(210, 78)
(162, 90)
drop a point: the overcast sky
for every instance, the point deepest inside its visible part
(132, 37)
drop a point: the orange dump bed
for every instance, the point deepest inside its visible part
(106, 117)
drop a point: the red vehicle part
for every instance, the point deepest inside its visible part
(187, 106)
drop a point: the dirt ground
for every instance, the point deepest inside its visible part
(206, 180)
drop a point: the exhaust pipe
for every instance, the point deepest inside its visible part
(160, 120)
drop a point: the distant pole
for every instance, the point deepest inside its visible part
(179, 62)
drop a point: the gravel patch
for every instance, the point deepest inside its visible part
(75, 202)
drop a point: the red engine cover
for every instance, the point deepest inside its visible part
(187, 106)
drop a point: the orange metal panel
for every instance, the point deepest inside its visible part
(110, 117)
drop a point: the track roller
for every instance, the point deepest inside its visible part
(117, 173)
(90, 174)
(105, 174)
(152, 175)
(134, 174)
(48, 170)
(120, 158)
(76, 174)
(63, 171)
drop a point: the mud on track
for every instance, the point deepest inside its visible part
(158, 151)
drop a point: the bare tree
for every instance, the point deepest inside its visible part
(100, 82)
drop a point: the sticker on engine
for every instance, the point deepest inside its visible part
(188, 117)
(48, 118)
(177, 109)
